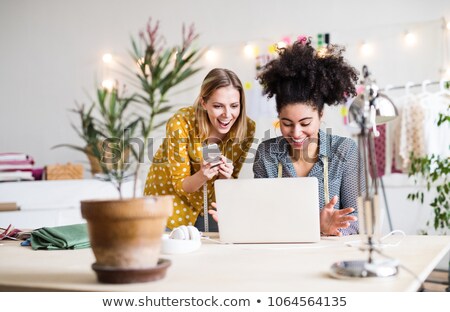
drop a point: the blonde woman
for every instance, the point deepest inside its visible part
(217, 116)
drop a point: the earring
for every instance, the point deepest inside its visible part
(276, 127)
(276, 124)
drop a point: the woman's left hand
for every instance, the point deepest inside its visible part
(331, 220)
(213, 212)
(225, 168)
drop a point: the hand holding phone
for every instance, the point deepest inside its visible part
(212, 154)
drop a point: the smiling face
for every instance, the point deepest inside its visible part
(299, 124)
(223, 108)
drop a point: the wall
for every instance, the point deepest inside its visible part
(51, 52)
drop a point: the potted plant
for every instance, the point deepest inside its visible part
(102, 123)
(125, 234)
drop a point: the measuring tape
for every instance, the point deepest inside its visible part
(205, 207)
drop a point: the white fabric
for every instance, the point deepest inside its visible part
(437, 138)
(416, 129)
(408, 131)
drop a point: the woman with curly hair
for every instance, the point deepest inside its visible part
(304, 80)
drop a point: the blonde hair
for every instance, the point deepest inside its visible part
(215, 79)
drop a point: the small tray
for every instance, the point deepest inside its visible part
(111, 275)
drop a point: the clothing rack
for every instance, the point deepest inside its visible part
(444, 84)
(413, 85)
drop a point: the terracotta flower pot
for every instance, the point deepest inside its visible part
(126, 235)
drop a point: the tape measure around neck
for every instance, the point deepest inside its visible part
(326, 192)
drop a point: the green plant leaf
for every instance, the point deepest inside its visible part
(78, 148)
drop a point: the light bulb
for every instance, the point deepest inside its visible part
(322, 52)
(211, 55)
(108, 84)
(410, 39)
(366, 49)
(249, 50)
(281, 44)
(448, 25)
(107, 58)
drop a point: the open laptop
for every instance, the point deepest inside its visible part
(279, 210)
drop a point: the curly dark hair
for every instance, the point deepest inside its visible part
(302, 74)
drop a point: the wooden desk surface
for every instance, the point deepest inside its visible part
(215, 267)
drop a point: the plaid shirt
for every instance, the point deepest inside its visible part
(342, 169)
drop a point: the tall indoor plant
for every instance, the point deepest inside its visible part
(125, 234)
(160, 69)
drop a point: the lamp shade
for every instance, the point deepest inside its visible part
(385, 109)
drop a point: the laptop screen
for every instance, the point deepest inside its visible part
(280, 210)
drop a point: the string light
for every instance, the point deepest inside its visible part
(323, 52)
(281, 44)
(366, 49)
(249, 50)
(108, 84)
(107, 58)
(211, 55)
(410, 38)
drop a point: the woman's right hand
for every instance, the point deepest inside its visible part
(196, 181)
(207, 171)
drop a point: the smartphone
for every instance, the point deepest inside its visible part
(211, 154)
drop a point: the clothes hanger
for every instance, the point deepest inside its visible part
(425, 91)
(425, 83)
(388, 87)
(408, 86)
(442, 89)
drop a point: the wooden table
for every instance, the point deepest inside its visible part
(217, 267)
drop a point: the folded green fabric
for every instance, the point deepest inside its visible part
(73, 236)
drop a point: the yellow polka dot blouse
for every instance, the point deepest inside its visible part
(180, 156)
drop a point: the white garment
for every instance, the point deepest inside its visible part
(437, 140)
(409, 131)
